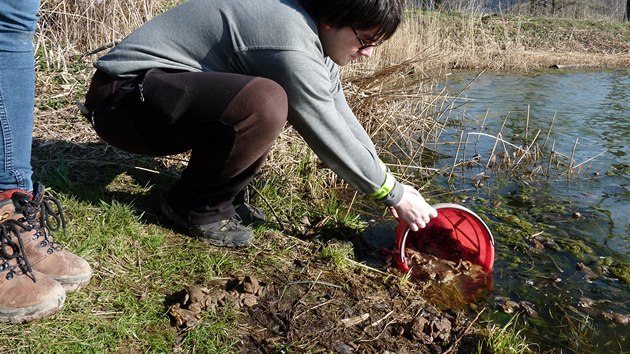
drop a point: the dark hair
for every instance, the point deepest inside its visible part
(382, 15)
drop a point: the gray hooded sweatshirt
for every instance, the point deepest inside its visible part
(275, 39)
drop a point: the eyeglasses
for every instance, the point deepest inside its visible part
(363, 44)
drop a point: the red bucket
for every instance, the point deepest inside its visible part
(459, 234)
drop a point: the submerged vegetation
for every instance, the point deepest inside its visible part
(319, 293)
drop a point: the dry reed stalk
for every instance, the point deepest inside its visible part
(527, 152)
(551, 155)
(571, 159)
(553, 119)
(70, 28)
(459, 144)
(527, 123)
(590, 159)
(482, 126)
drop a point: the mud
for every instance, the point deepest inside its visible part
(311, 307)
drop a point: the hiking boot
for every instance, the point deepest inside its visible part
(25, 294)
(225, 233)
(250, 214)
(37, 215)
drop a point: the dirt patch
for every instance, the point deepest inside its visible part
(313, 307)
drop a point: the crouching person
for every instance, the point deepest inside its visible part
(221, 78)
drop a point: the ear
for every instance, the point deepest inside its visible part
(324, 26)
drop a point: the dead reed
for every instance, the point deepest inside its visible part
(394, 93)
(71, 28)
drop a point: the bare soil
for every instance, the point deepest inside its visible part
(306, 306)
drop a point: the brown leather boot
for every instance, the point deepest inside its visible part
(34, 215)
(25, 294)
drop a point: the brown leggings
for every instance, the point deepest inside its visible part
(228, 122)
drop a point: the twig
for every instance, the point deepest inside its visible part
(354, 196)
(459, 144)
(313, 308)
(570, 169)
(526, 152)
(316, 282)
(282, 228)
(374, 324)
(527, 125)
(367, 267)
(498, 138)
(590, 159)
(483, 124)
(349, 322)
(556, 264)
(549, 131)
(553, 146)
(99, 49)
(380, 334)
(466, 331)
(465, 154)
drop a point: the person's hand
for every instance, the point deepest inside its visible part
(413, 209)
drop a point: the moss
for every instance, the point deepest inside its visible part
(605, 261)
(577, 247)
(621, 271)
(516, 221)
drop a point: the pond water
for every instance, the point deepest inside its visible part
(560, 219)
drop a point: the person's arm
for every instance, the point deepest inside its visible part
(412, 207)
(318, 111)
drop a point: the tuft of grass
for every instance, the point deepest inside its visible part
(337, 253)
(504, 339)
(406, 278)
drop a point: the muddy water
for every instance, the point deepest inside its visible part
(562, 225)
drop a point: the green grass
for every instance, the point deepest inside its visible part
(140, 264)
(137, 268)
(504, 339)
(337, 253)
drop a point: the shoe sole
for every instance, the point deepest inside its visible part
(172, 216)
(32, 313)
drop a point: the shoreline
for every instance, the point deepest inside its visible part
(503, 43)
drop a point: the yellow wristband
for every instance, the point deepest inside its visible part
(387, 187)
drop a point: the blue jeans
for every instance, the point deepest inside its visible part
(18, 19)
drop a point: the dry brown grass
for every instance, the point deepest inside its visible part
(70, 28)
(471, 40)
(393, 93)
(501, 43)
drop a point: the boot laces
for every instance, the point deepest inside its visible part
(7, 243)
(51, 218)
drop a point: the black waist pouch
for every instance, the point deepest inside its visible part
(168, 97)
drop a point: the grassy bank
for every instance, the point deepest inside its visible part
(498, 42)
(306, 258)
